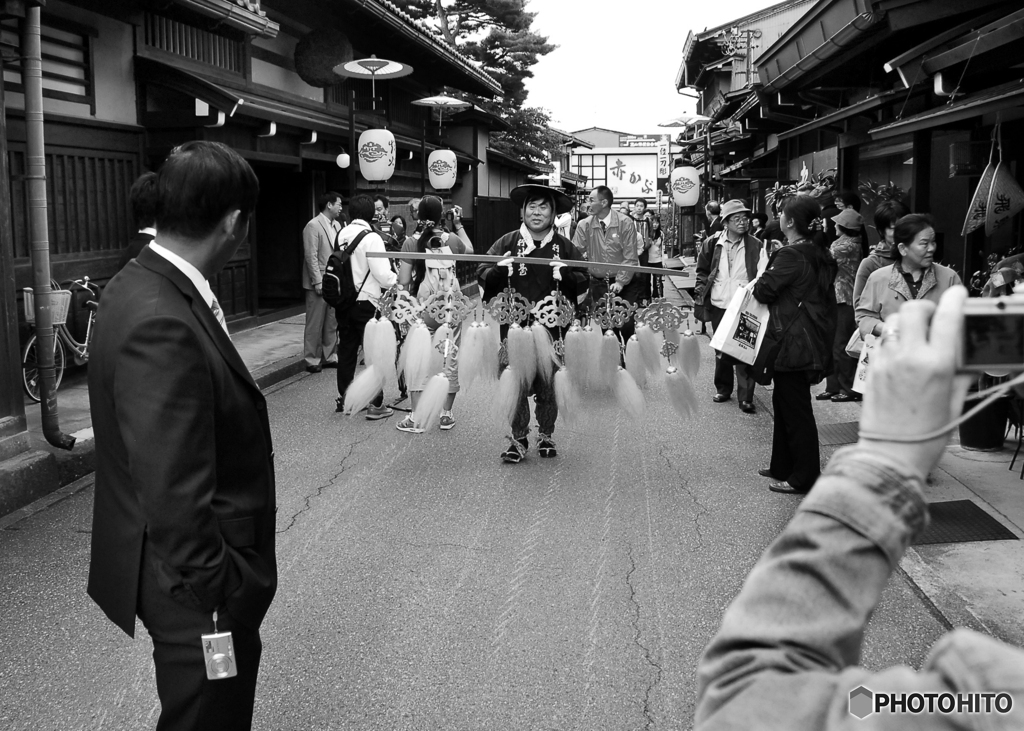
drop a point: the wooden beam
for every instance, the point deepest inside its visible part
(995, 35)
(901, 16)
(915, 53)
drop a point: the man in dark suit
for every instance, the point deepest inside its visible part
(183, 520)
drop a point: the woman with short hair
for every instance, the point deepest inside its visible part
(913, 275)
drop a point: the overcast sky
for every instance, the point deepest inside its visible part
(636, 48)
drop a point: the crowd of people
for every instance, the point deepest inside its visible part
(183, 518)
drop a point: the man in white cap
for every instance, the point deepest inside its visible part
(726, 262)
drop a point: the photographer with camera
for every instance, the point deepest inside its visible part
(425, 278)
(786, 654)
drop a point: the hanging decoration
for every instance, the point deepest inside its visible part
(977, 212)
(1005, 197)
(376, 151)
(442, 169)
(685, 185)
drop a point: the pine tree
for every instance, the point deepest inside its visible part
(497, 34)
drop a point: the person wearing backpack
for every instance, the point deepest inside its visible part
(424, 279)
(370, 277)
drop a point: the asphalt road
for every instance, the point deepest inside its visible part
(426, 585)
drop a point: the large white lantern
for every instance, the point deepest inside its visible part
(685, 184)
(442, 167)
(376, 152)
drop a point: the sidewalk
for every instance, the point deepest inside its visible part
(978, 584)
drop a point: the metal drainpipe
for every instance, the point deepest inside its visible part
(32, 78)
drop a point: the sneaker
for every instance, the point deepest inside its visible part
(408, 425)
(447, 421)
(373, 413)
(546, 446)
(515, 452)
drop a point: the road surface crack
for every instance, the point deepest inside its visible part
(343, 467)
(701, 508)
(648, 656)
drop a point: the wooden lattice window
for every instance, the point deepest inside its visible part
(87, 206)
(66, 59)
(194, 43)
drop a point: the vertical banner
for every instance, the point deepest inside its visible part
(555, 179)
(664, 154)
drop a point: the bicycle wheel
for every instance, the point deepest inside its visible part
(30, 375)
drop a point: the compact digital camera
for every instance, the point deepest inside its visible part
(219, 653)
(993, 335)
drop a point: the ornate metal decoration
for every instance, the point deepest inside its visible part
(661, 315)
(612, 311)
(509, 306)
(448, 307)
(668, 349)
(555, 310)
(398, 305)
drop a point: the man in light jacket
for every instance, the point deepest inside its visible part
(726, 262)
(320, 340)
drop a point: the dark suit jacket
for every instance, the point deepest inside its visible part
(184, 463)
(137, 243)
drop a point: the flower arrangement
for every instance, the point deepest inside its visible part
(819, 185)
(872, 192)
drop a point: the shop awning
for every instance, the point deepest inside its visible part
(839, 115)
(995, 99)
(233, 102)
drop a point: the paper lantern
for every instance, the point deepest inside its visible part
(442, 168)
(376, 152)
(685, 186)
(343, 160)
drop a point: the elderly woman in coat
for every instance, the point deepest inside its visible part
(913, 275)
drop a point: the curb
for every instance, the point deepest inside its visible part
(35, 473)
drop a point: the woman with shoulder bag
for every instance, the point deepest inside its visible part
(797, 349)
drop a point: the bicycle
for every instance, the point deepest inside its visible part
(63, 340)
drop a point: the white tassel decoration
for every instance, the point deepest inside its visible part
(363, 389)
(522, 354)
(380, 345)
(630, 398)
(591, 371)
(471, 355)
(544, 347)
(689, 354)
(635, 361)
(575, 356)
(567, 400)
(507, 400)
(681, 393)
(490, 337)
(650, 348)
(416, 357)
(608, 361)
(431, 401)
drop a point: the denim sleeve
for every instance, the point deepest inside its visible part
(785, 656)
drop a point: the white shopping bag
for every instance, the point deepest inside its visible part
(860, 378)
(742, 329)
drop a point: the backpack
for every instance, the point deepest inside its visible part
(339, 289)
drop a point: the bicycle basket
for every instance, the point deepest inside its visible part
(60, 300)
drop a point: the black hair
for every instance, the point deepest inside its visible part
(845, 231)
(805, 214)
(641, 200)
(361, 208)
(327, 199)
(713, 207)
(887, 213)
(199, 184)
(144, 199)
(383, 199)
(760, 216)
(907, 229)
(605, 193)
(405, 227)
(850, 199)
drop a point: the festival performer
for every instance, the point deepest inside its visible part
(536, 238)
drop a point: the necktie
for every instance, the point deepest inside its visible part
(604, 227)
(219, 314)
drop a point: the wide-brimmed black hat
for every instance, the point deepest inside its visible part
(520, 194)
